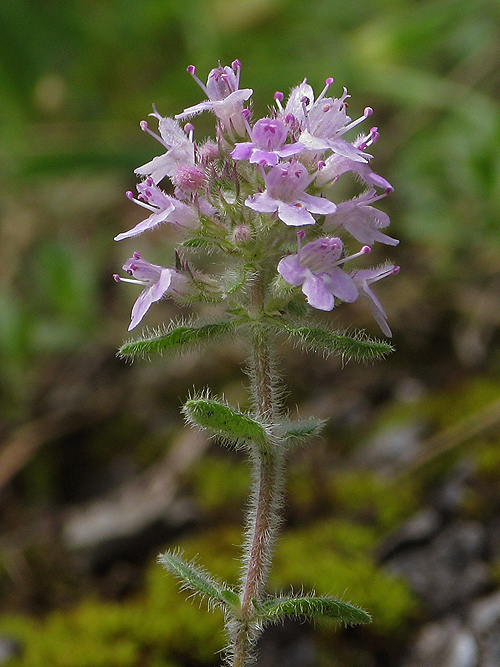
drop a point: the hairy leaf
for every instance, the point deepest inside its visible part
(194, 578)
(358, 346)
(181, 338)
(300, 430)
(234, 427)
(312, 608)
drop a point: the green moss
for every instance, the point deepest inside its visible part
(220, 482)
(161, 628)
(301, 494)
(494, 568)
(444, 408)
(334, 558)
(487, 459)
(383, 503)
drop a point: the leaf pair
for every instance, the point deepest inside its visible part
(237, 429)
(274, 610)
(182, 337)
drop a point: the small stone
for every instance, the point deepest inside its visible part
(444, 644)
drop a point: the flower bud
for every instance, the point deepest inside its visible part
(189, 179)
(208, 153)
(242, 234)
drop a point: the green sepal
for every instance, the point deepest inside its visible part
(356, 346)
(178, 338)
(194, 578)
(235, 428)
(295, 432)
(311, 608)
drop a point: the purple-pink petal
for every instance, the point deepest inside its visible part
(295, 214)
(149, 295)
(318, 205)
(151, 222)
(290, 149)
(292, 270)
(262, 203)
(267, 158)
(317, 293)
(341, 284)
(242, 151)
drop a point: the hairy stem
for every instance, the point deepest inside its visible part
(267, 490)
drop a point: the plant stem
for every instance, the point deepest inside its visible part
(267, 490)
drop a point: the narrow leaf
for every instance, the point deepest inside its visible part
(300, 430)
(232, 426)
(178, 338)
(312, 608)
(194, 578)
(358, 346)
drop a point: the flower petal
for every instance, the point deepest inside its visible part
(151, 222)
(267, 158)
(341, 284)
(262, 203)
(294, 215)
(317, 293)
(152, 293)
(292, 270)
(242, 151)
(318, 205)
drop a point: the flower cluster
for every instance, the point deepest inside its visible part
(239, 195)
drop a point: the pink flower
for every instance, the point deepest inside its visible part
(363, 280)
(322, 122)
(284, 195)
(316, 268)
(267, 146)
(164, 209)
(158, 282)
(361, 220)
(225, 99)
(179, 145)
(337, 164)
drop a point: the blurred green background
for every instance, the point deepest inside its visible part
(76, 77)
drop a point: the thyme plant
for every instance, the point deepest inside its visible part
(259, 197)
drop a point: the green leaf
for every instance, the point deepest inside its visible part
(298, 431)
(357, 346)
(233, 427)
(311, 608)
(178, 338)
(194, 578)
(230, 597)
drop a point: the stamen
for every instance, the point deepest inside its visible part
(278, 98)
(304, 102)
(119, 279)
(363, 251)
(369, 140)
(390, 271)
(246, 113)
(145, 128)
(375, 198)
(301, 233)
(189, 130)
(366, 114)
(130, 196)
(328, 83)
(191, 69)
(236, 65)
